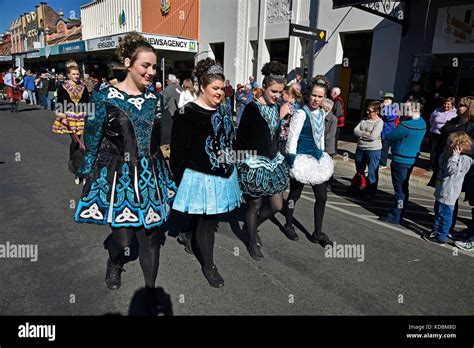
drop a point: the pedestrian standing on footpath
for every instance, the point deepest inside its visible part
(405, 141)
(308, 161)
(52, 91)
(229, 95)
(389, 115)
(13, 89)
(465, 239)
(2, 85)
(339, 110)
(43, 89)
(171, 96)
(330, 130)
(188, 94)
(30, 86)
(244, 99)
(463, 122)
(89, 84)
(453, 168)
(128, 184)
(263, 171)
(369, 147)
(438, 119)
(71, 106)
(202, 164)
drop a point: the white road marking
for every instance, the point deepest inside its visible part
(388, 226)
(374, 206)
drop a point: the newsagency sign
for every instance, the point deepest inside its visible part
(158, 42)
(171, 43)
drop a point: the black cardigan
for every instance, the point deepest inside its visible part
(200, 138)
(253, 133)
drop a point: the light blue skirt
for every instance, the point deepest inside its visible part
(200, 193)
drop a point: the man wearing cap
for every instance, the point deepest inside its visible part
(389, 116)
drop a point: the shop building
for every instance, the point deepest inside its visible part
(245, 34)
(171, 27)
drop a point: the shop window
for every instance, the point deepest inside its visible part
(278, 50)
(218, 50)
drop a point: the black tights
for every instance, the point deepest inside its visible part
(202, 241)
(320, 195)
(256, 215)
(149, 251)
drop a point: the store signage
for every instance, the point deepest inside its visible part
(103, 43)
(167, 43)
(72, 47)
(307, 32)
(171, 43)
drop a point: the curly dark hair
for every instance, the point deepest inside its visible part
(132, 44)
(320, 81)
(272, 71)
(201, 69)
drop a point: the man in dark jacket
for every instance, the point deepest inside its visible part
(43, 89)
(170, 101)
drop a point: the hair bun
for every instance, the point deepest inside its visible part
(321, 80)
(71, 63)
(128, 45)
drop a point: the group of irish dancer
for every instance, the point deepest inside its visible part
(131, 187)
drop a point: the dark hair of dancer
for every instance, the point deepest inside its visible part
(131, 45)
(274, 72)
(201, 72)
(320, 81)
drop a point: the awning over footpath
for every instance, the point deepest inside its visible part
(389, 9)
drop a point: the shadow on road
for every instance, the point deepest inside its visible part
(382, 204)
(145, 304)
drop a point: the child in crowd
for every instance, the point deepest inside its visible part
(453, 168)
(293, 100)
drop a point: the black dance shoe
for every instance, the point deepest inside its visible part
(290, 232)
(213, 277)
(255, 253)
(113, 275)
(184, 238)
(322, 240)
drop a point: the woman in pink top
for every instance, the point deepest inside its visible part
(438, 119)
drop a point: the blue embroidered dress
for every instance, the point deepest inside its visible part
(262, 169)
(305, 148)
(202, 160)
(128, 182)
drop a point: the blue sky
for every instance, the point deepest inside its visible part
(11, 9)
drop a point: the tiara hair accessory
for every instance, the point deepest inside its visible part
(215, 69)
(277, 77)
(321, 81)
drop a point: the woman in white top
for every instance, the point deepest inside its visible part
(188, 94)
